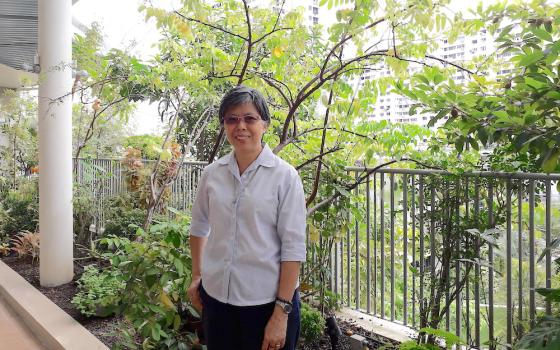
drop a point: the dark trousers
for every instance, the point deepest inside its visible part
(242, 327)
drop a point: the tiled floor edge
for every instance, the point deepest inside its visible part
(51, 325)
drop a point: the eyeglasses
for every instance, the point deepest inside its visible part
(248, 119)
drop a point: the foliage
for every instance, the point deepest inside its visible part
(516, 113)
(412, 345)
(155, 268)
(84, 206)
(331, 302)
(26, 244)
(457, 244)
(150, 185)
(98, 293)
(545, 335)
(312, 323)
(320, 110)
(450, 339)
(149, 145)
(5, 249)
(102, 112)
(20, 209)
(123, 222)
(18, 154)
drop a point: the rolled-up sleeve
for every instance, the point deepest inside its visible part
(200, 225)
(291, 225)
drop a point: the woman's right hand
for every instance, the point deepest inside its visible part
(194, 294)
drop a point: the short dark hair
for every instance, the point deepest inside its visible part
(242, 94)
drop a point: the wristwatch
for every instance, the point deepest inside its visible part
(285, 305)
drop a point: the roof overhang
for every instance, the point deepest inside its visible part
(19, 42)
(15, 79)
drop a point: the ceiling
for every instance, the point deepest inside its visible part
(18, 41)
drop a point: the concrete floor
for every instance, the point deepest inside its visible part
(14, 334)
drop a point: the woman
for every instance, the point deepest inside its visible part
(248, 236)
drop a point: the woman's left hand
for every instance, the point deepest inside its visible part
(275, 331)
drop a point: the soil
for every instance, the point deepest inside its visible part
(106, 329)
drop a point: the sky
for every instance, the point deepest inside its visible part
(125, 27)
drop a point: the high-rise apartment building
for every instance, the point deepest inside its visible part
(395, 108)
(312, 12)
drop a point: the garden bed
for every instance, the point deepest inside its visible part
(106, 329)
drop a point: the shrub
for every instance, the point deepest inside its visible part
(412, 345)
(155, 268)
(84, 210)
(126, 216)
(26, 244)
(312, 323)
(98, 292)
(20, 210)
(5, 249)
(123, 222)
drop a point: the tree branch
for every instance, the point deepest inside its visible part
(309, 161)
(249, 43)
(441, 60)
(217, 144)
(209, 25)
(361, 179)
(274, 84)
(315, 189)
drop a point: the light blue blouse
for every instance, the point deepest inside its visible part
(253, 222)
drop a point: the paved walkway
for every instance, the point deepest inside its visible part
(30, 321)
(14, 334)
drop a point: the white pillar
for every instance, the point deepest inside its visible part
(55, 142)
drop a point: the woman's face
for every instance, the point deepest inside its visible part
(244, 128)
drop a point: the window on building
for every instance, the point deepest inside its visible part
(315, 20)
(474, 41)
(315, 10)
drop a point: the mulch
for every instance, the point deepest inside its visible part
(106, 329)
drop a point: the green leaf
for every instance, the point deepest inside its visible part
(550, 294)
(554, 244)
(545, 336)
(550, 164)
(449, 338)
(542, 34)
(530, 59)
(343, 191)
(155, 334)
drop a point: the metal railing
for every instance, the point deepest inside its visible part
(105, 179)
(387, 263)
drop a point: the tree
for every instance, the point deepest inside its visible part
(104, 108)
(19, 153)
(518, 114)
(315, 106)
